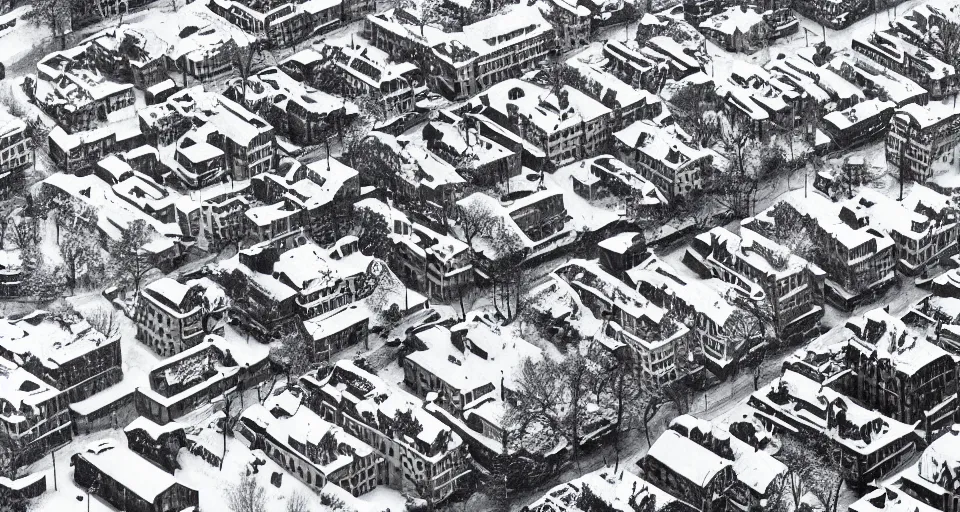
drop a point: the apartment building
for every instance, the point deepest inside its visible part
(564, 126)
(127, 481)
(932, 481)
(323, 279)
(35, 415)
(628, 104)
(704, 310)
(857, 125)
(438, 264)
(336, 330)
(641, 197)
(467, 62)
(571, 23)
(414, 447)
(859, 259)
(757, 472)
(921, 137)
(172, 317)
(129, 55)
(76, 94)
(871, 445)
(313, 450)
(369, 71)
(891, 368)
(938, 77)
(923, 226)
(633, 319)
(761, 269)
(72, 356)
(15, 155)
(627, 62)
(317, 189)
(190, 379)
(664, 157)
(306, 115)
(282, 23)
(458, 141)
(689, 471)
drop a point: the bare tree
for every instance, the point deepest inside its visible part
(108, 322)
(297, 503)
(476, 218)
(242, 59)
(130, 261)
(247, 495)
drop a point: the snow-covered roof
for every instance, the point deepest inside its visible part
(619, 490)
(152, 429)
(889, 499)
(337, 320)
(540, 106)
(662, 144)
(703, 299)
(907, 351)
(129, 469)
(733, 20)
(55, 341)
(687, 458)
(22, 390)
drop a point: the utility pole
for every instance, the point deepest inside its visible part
(54, 459)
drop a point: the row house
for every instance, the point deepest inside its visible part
(259, 301)
(172, 317)
(15, 154)
(413, 446)
(129, 55)
(464, 63)
(538, 220)
(275, 224)
(836, 14)
(626, 103)
(439, 264)
(938, 77)
(231, 142)
(34, 414)
(565, 126)
(458, 141)
(129, 482)
(466, 364)
(77, 95)
(665, 157)
(306, 115)
(336, 330)
(318, 189)
(923, 226)
(870, 444)
(203, 54)
(571, 23)
(70, 355)
(890, 368)
(641, 197)
(681, 60)
(859, 259)
(190, 379)
(763, 270)
(758, 474)
(159, 444)
(876, 80)
(687, 470)
(323, 279)
(626, 61)
(313, 450)
(745, 29)
(283, 24)
(700, 307)
(619, 491)
(920, 137)
(76, 153)
(857, 125)
(367, 73)
(933, 480)
(630, 318)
